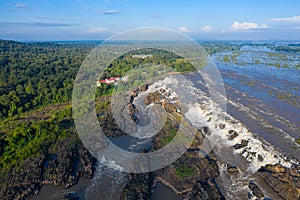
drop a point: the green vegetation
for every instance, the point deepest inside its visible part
(297, 141)
(226, 58)
(291, 48)
(23, 139)
(288, 96)
(167, 137)
(183, 170)
(34, 75)
(127, 62)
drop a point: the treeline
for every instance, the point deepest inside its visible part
(42, 73)
(158, 57)
(291, 48)
(37, 74)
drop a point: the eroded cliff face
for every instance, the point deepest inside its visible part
(63, 165)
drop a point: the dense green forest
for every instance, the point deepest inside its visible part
(36, 74)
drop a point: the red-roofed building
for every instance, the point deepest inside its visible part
(111, 80)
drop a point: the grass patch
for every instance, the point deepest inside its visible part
(183, 170)
(168, 137)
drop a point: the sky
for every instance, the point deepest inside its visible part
(32, 20)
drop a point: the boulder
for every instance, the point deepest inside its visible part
(232, 169)
(256, 190)
(243, 144)
(221, 126)
(232, 134)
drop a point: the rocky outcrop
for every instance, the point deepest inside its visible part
(256, 190)
(284, 181)
(139, 187)
(63, 165)
(154, 97)
(205, 190)
(189, 175)
(232, 169)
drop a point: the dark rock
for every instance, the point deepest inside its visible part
(205, 190)
(143, 87)
(134, 94)
(260, 158)
(206, 130)
(162, 90)
(70, 196)
(282, 180)
(232, 169)
(232, 134)
(131, 98)
(154, 97)
(132, 111)
(221, 126)
(243, 144)
(256, 190)
(138, 187)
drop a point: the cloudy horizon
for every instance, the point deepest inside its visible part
(98, 20)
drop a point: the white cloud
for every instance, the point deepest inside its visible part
(183, 29)
(98, 30)
(297, 28)
(242, 26)
(207, 29)
(21, 5)
(204, 29)
(294, 19)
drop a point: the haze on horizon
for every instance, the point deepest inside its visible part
(99, 19)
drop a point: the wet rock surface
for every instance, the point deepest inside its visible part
(232, 134)
(284, 181)
(139, 187)
(243, 144)
(232, 168)
(256, 190)
(189, 176)
(205, 190)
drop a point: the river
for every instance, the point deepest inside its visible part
(263, 97)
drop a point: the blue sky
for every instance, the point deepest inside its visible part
(99, 19)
